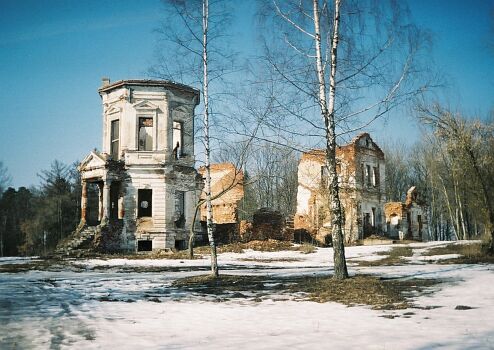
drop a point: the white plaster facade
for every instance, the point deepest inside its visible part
(147, 184)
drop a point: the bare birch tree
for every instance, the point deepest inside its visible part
(345, 62)
(188, 33)
(327, 112)
(469, 143)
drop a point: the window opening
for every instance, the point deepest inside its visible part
(115, 138)
(145, 134)
(367, 225)
(144, 245)
(375, 177)
(114, 195)
(180, 209)
(368, 174)
(145, 203)
(180, 244)
(178, 140)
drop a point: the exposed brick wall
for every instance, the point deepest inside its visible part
(360, 194)
(224, 176)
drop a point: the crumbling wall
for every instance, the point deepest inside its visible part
(266, 224)
(226, 233)
(396, 225)
(108, 238)
(406, 220)
(227, 186)
(358, 197)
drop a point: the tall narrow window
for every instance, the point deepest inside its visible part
(145, 134)
(368, 174)
(375, 177)
(180, 209)
(178, 140)
(115, 139)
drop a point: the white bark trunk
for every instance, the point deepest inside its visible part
(327, 111)
(209, 209)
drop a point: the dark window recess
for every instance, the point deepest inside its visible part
(180, 209)
(367, 225)
(144, 203)
(144, 246)
(376, 176)
(92, 211)
(145, 134)
(180, 244)
(114, 194)
(115, 139)
(368, 174)
(409, 222)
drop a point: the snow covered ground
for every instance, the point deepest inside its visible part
(130, 304)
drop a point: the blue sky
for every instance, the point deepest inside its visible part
(54, 53)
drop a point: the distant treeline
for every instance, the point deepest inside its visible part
(33, 220)
(452, 166)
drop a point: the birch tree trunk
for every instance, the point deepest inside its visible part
(209, 209)
(327, 112)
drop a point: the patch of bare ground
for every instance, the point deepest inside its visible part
(35, 265)
(261, 260)
(264, 246)
(471, 253)
(270, 245)
(380, 294)
(394, 256)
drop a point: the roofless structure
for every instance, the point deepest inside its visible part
(139, 192)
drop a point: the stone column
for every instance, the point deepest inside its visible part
(106, 200)
(84, 201)
(121, 197)
(100, 202)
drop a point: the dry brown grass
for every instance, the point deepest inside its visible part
(471, 253)
(364, 290)
(270, 245)
(394, 256)
(379, 293)
(307, 248)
